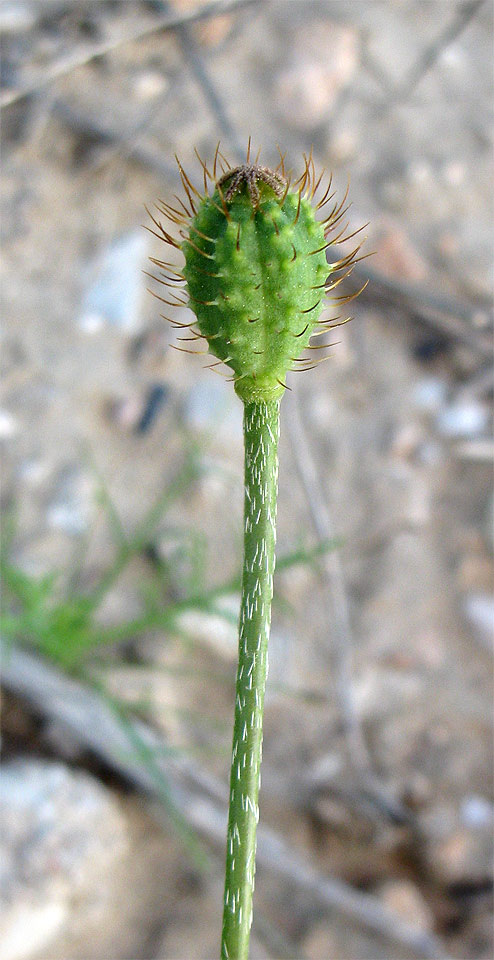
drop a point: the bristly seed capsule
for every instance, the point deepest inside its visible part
(255, 268)
(255, 274)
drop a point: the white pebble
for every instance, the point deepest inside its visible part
(464, 419)
(8, 425)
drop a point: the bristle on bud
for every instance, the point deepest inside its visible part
(256, 271)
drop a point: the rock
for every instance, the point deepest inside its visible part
(320, 943)
(454, 173)
(463, 858)
(115, 290)
(476, 573)
(29, 929)
(381, 692)
(149, 84)
(476, 451)
(479, 610)
(477, 813)
(16, 17)
(344, 145)
(61, 834)
(137, 411)
(459, 841)
(212, 630)
(465, 418)
(336, 940)
(123, 412)
(396, 255)
(72, 504)
(34, 471)
(429, 394)
(404, 899)
(211, 405)
(9, 426)
(325, 61)
(213, 31)
(407, 441)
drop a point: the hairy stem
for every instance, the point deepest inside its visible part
(261, 431)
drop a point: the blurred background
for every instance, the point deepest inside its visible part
(122, 491)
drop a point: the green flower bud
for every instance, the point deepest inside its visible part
(256, 270)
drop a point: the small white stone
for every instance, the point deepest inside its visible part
(9, 426)
(62, 834)
(477, 812)
(479, 608)
(454, 174)
(211, 630)
(91, 323)
(16, 17)
(150, 84)
(34, 472)
(464, 419)
(419, 171)
(115, 289)
(429, 394)
(405, 900)
(27, 929)
(62, 516)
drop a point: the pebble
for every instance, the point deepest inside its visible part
(476, 573)
(72, 504)
(9, 426)
(454, 173)
(124, 412)
(326, 769)
(91, 323)
(215, 632)
(331, 938)
(114, 294)
(466, 418)
(324, 64)
(61, 834)
(429, 394)
(479, 610)
(448, 245)
(344, 145)
(280, 661)
(211, 405)
(476, 451)
(396, 255)
(150, 84)
(404, 899)
(477, 812)
(66, 517)
(407, 441)
(213, 31)
(460, 840)
(16, 17)
(136, 412)
(380, 692)
(33, 472)
(465, 857)
(419, 171)
(29, 929)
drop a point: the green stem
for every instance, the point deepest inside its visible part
(261, 431)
